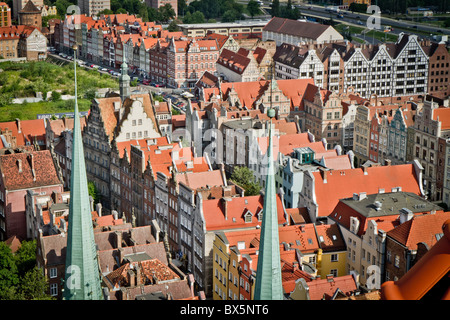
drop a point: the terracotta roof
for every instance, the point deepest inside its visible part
(326, 288)
(214, 212)
(196, 180)
(443, 115)
(233, 61)
(286, 143)
(108, 114)
(425, 228)
(13, 243)
(330, 237)
(342, 184)
(431, 271)
(37, 170)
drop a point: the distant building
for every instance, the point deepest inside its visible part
(160, 3)
(30, 15)
(92, 8)
(5, 15)
(295, 32)
(239, 30)
(19, 4)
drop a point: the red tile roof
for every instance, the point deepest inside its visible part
(325, 288)
(342, 184)
(37, 170)
(429, 272)
(237, 207)
(443, 115)
(196, 180)
(422, 228)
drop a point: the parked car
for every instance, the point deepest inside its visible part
(159, 85)
(146, 82)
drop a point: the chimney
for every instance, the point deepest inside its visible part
(387, 162)
(405, 215)
(324, 174)
(138, 275)
(31, 160)
(19, 165)
(118, 235)
(131, 278)
(191, 282)
(115, 214)
(225, 207)
(120, 255)
(99, 209)
(91, 202)
(295, 266)
(365, 170)
(19, 125)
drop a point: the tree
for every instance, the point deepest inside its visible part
(167, 12)
(244, 177)
(253, 8)
(8, 272)
(229, 16)
(56, 96)
(198, 17)
(93, 192)
(275, 8)
(33, 286)
(25, 257)
(173, 26)
(182, 7)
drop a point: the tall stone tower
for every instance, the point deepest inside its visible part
(124, 80)
(82, 274)
(268, 284)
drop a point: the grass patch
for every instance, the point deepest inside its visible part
(18, 80)
(28, 111)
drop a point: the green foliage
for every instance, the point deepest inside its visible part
(358, 7)
(20, 279)
(244, 177)
(447, 23)
(253, 8)
(173, 26)
(56, 96)
(196, 17)
(93, 192)
(275, 8)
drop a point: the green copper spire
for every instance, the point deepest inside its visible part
(268, 284)
(82, 277)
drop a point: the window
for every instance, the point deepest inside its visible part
(334, 257)
(53, 273)
(397, 261)
(54, 289)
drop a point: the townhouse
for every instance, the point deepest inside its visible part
(365, 220)
(307, 252)
(237, 66)
(22, 42)
(321, 193)
(187, 60)
(409, 242)
(430, 131)
(226, 213)
(24, 169)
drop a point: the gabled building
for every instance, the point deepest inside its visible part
(409, 242)
(365, 220)
(323, 189)
(23, 171)
(299, 32)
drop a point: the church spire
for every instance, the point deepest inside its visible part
(268, 284)
(82, 278)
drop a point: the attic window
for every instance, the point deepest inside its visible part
(248, 217)
(320, 238)
(334, 237)
(310, 241)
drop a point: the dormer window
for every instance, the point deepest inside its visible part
(248, 217)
